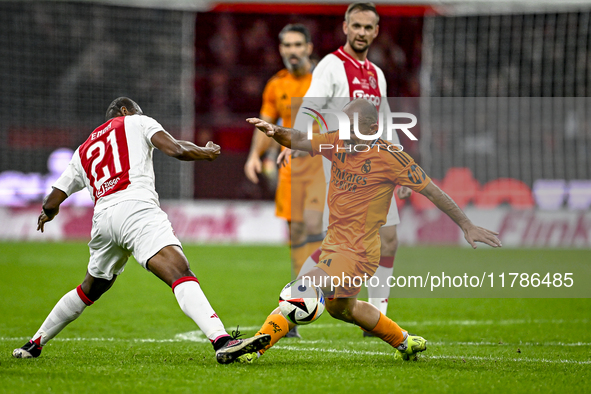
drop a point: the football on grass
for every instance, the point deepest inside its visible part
(301, 302)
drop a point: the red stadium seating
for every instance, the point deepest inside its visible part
(460, 185)
(505, 190)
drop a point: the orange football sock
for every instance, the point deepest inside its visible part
(276, 326)
(388, 331)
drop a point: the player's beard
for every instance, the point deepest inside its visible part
(293, 67)
(356, 49)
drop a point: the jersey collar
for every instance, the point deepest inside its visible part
(353, 61)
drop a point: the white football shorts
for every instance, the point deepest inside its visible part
(391, 220)
(132, 227)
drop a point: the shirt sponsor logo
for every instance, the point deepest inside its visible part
(347, 181)
(372, 98)
(107, 186)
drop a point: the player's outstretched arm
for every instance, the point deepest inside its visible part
(472, 233)
(289, 138)
(184, 150)
(51, 207)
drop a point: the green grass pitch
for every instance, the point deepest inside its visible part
(135, 339)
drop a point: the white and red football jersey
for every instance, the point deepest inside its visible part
(337, 79)
(115, 163)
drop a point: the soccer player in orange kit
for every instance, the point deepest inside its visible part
(361, 189)
(301, 190)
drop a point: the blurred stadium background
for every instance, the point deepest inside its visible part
(199, 68)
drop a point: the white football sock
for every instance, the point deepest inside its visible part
(193, 302)
(308, 265)
(378, 296)
(67, 309)
(404, 345)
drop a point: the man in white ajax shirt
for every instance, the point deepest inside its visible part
(115, 165)
(339, 77)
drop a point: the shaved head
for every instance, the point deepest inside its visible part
(367, 112)
(114, 108)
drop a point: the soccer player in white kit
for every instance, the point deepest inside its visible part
(115, 165)
(339, 77)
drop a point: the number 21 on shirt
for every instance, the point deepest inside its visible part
(105, 158)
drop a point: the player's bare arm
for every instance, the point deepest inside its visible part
(289, 138)
(472, 233)
(184, 150)
(258, 147)
(181, 150)
(51, 207)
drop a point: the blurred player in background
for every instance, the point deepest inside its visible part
(301, 189)
(358, 206)
(347, 73)
(115, 165)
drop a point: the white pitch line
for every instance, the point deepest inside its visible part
(472, 358)
(525, 359)
(488, 322)
(492, 322)
(197, 336)
(323, 350)
(437, 343)
(510, 343)
(137, 340)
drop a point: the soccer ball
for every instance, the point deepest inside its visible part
(300, 302)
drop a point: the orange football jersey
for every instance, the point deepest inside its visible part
(360, 192)
(277, 103)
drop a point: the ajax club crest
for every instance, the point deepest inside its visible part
(372, 82)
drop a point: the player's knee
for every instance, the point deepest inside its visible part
(334, 310)
(298, 233)
(170, 264)
(389, 249)
(389, 243)
(180, 263)
(180, 269)
(339, 310)
(94, 288)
